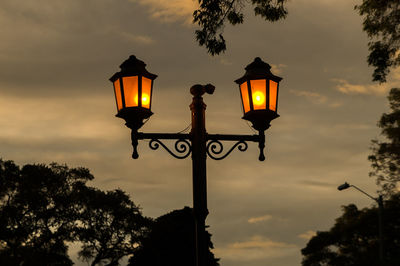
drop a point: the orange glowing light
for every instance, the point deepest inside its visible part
(130, 90)
(145, 99)
(258, 98)
(117, 90)
(258, 88)
(146, 92)
(273, 92)
(245, 96)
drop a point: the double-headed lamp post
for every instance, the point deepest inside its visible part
(379, 200)
(133, 88)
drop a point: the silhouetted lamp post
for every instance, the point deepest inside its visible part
(379, 200)
(133, 88)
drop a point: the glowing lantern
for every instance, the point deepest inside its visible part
(259, 92)
(133, 87)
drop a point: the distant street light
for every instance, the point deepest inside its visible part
(379, 200)
(133, 88)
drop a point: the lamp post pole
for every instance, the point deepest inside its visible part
(378, 200)
(133, 88)
(380, 213)
(199, 157)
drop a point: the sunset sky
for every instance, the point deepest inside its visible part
(57, 105)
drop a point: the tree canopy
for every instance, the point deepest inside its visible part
(354, 239)
(171, 242)
(385, 157)
(382, 24)
(111, 226)
(38, 212)
(45, 207)
(213, 14)
(380, 21)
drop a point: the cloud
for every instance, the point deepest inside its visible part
(170, 10)
(318, 184)
(263, 218)
(140, 39)
(307, 235)
(311, 96)
(225, 62)
(56, 118)
(277, 69)
(316, 98)
(347, 88)
(255, 248)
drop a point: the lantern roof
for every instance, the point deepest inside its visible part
(132, 67)
(258, 69)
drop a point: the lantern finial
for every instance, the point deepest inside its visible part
(133, 64)
(258, 66)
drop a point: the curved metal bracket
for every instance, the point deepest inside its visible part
(215, 147)
(182, 147)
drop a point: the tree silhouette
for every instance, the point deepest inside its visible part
(213, 14)
(38, 211)
(354, 240)
(111, 226)
(385, 157)
(171, 242)
(44, 207)
(381, 23)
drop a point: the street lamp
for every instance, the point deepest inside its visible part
(379, 200)
(133, 88)
(259, 94)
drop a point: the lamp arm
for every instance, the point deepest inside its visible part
(183, 147)
(365, 193)
(216, 147)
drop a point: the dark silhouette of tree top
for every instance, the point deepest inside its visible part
(43, 207)
(171, 241)
(213, 14)
(382, 24)
(111, 226)
(354, 239)
(385, 157)
(38, 211)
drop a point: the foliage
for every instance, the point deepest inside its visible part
(112, 226)
(213, 14)
(354, 239)
(381, 23)
(385, 158)
(44, 207)
(171, 242)
(38, 212)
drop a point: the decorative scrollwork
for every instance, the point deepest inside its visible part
(182, 147)
(215, 147)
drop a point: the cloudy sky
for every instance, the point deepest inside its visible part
(56, 104)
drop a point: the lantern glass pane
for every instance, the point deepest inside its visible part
(146, 92)
(130, 91)
(258, 92)
(117, 91)
(273, 92)
(245, 97)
